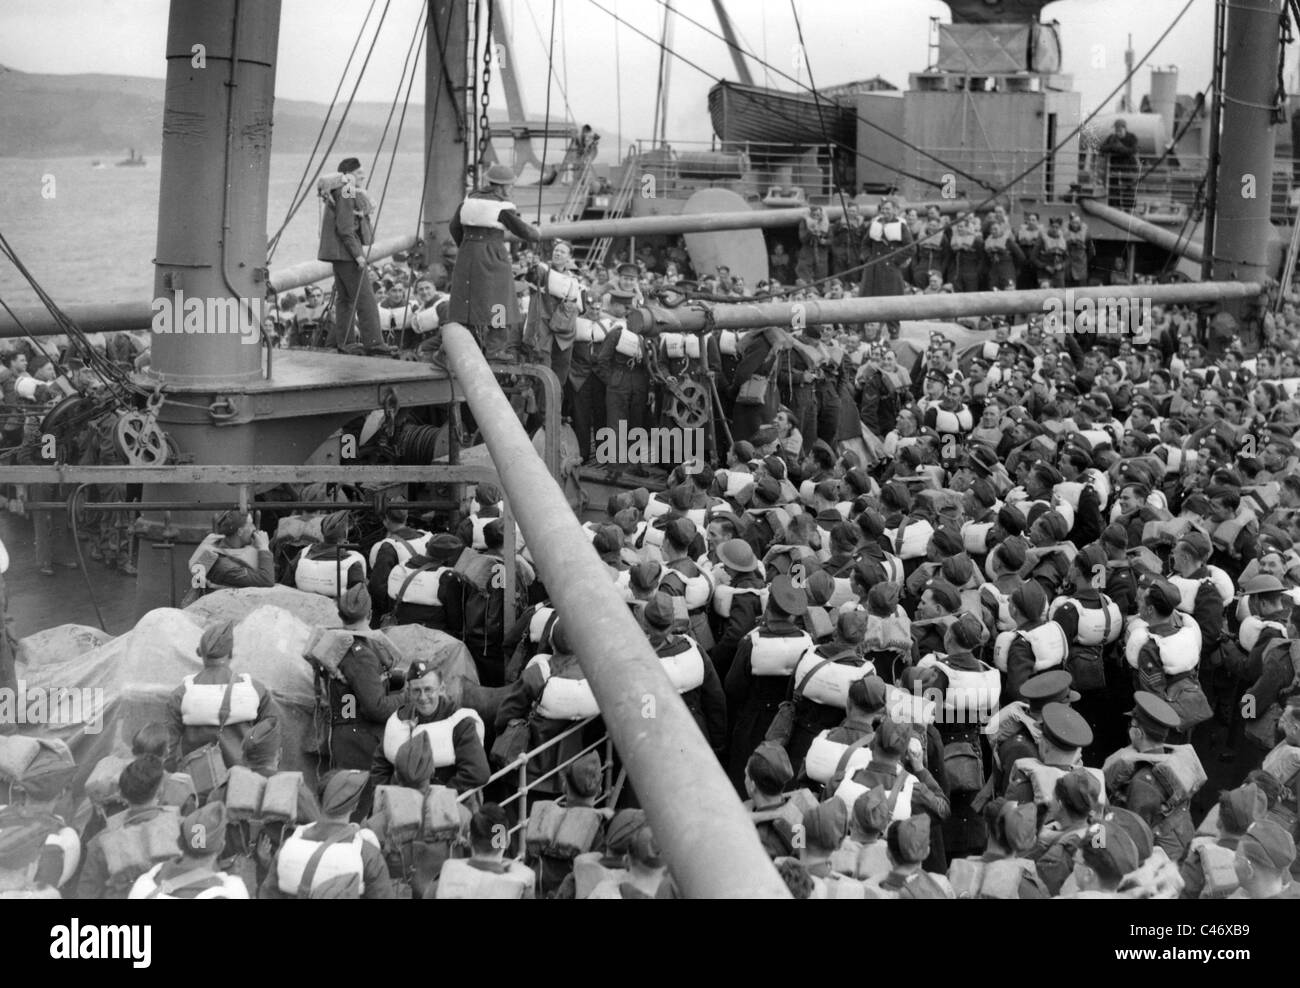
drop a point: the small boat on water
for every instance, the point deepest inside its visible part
(134, 161)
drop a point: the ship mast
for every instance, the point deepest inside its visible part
(733, 46)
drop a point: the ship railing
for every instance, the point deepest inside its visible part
(944, 178)
(516, 804)
(1168, 187)
(760, 167)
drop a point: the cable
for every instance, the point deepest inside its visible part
(771, 107)
(821, 119)
(321, 133)
(546, 134)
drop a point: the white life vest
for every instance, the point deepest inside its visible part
(588, 872)
(884, 634)
(724, 594)
(698, 588)
(829, 684)
(327, 577)
(419, 544)
(916, 538)
(891, 232)
(628, 344)
(848, 791)
(1070, 491)
(484, 212)
(589, 331)
(201, 702)
(540, 623)
(1217, 865)
(975, 537)
(423, 588)
(909, 708)
(772, 655)
(341, 859)
(1251, 628)
(1047, 642)
(461, 880)
(685, 670)
(728, 342)
(426, 319)
(1180, 760)
(1178, 457)
(735, 482)
(679, 345)
(1000, 603)
(562, 698)
(843, 593)
(563, 286)
(824, 757)
(479, 524)
(1043, 778)
(398, 317)
(1179, 652)
(439, 732)
(952, 423)
(971, 697)
(146, 885)
(1097, 625)
(1188, 587)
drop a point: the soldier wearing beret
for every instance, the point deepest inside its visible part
(767, 771)
(821, 832)
(707, 702)
(359, 871)
(1038, 644)
(194, 873)
(1264, 857)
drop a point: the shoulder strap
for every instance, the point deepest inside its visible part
(406, 545)
(848, 753)
(798, 690)
(309, 872)
(401, 591)
(223, 712)
(191, 878)
(897, 789)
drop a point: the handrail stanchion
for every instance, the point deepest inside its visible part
(707, 838)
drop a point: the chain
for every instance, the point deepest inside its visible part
(484, 127)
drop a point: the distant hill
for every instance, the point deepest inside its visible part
(104, 115)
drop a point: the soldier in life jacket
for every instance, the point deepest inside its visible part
(194, 874)
(739, 598)
(1079, 252)
(558, 299)
(863, 853)
(622, 365)
(1105, 854)
(236, 554)
(1028, 235)
(400, 543)
(1189, 558)
(767, 773)
(330, 567)
(143, 835)
(482, 282)
(455, 733)
(898, 765)
(940, 603)
(683, 578)
(1003, 258)
(486, 506)
(1275, 662)
(1264, 858)
(1062, 736)
(427, 590)
(1050, 254)
(1091, 622)
(701, 690)
(1017, 729)
(822, 831)
(486, 874)
(931, 255)
(1164, 647)
(1036, 646)
(647, 872)
(1003, 871)
(331, 858)
(39, 852)
(217, 705)
(1154, 780)
(414, 855)
(361, 699)
(758, 679)
(965, 256)
(1209, 871)
(887, 253)
(908, 843)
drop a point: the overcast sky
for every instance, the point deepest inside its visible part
(847, 39)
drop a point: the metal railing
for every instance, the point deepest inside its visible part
(680, 169)
(997, 167)
(609, 791)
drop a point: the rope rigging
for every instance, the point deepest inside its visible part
(546, 134)
(821, 117)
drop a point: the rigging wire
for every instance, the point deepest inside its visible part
(821, 118)
(546, 134)
(541, 40)
(324, 124)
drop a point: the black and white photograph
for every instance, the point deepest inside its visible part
(652, 449)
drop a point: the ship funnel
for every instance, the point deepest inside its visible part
(1164, 90)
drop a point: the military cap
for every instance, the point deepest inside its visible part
(680, 497)
(1198, 543)
(787, 597)
(229, 522)
(355, 604)
(419, 669)
(1090, 559)
(821, 588)
(891, 738)
(500, 174)
(1011, 553)
(622, 828)
(680, 532)
(868, 693)
(769, 767)
(767, 490)
(871, 810)
(983, 459)
(984, 491)
(957, 569)
(946, 541)
(334, 526)
(945, 594)
(1240, 807)
(870, 572)
(859, 480)
(738, 555)
(203, 832)
(896, 495)
(1116, 535)
(912, 838)
(645, 576)
(605, 541)
(1019, 826)
(1065, 727)
(444, 548)
(217, 641)
(936, 375)
(826, 824)
(1031, 599)
(872, 523)
(967, 630)
(1264, 583)
(1267, 843)
(1056, 525)
(413, 763)
(659, 611)
(1108, 850)
(1163, 590)
(343, 791)
(640, 498)
(1137, 829)
(1052, 686)
(1067, 390)
(1010, 520)
(262, 742)
(1078, 791)
(628, 269)
(851, 626)
(1153, 714)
